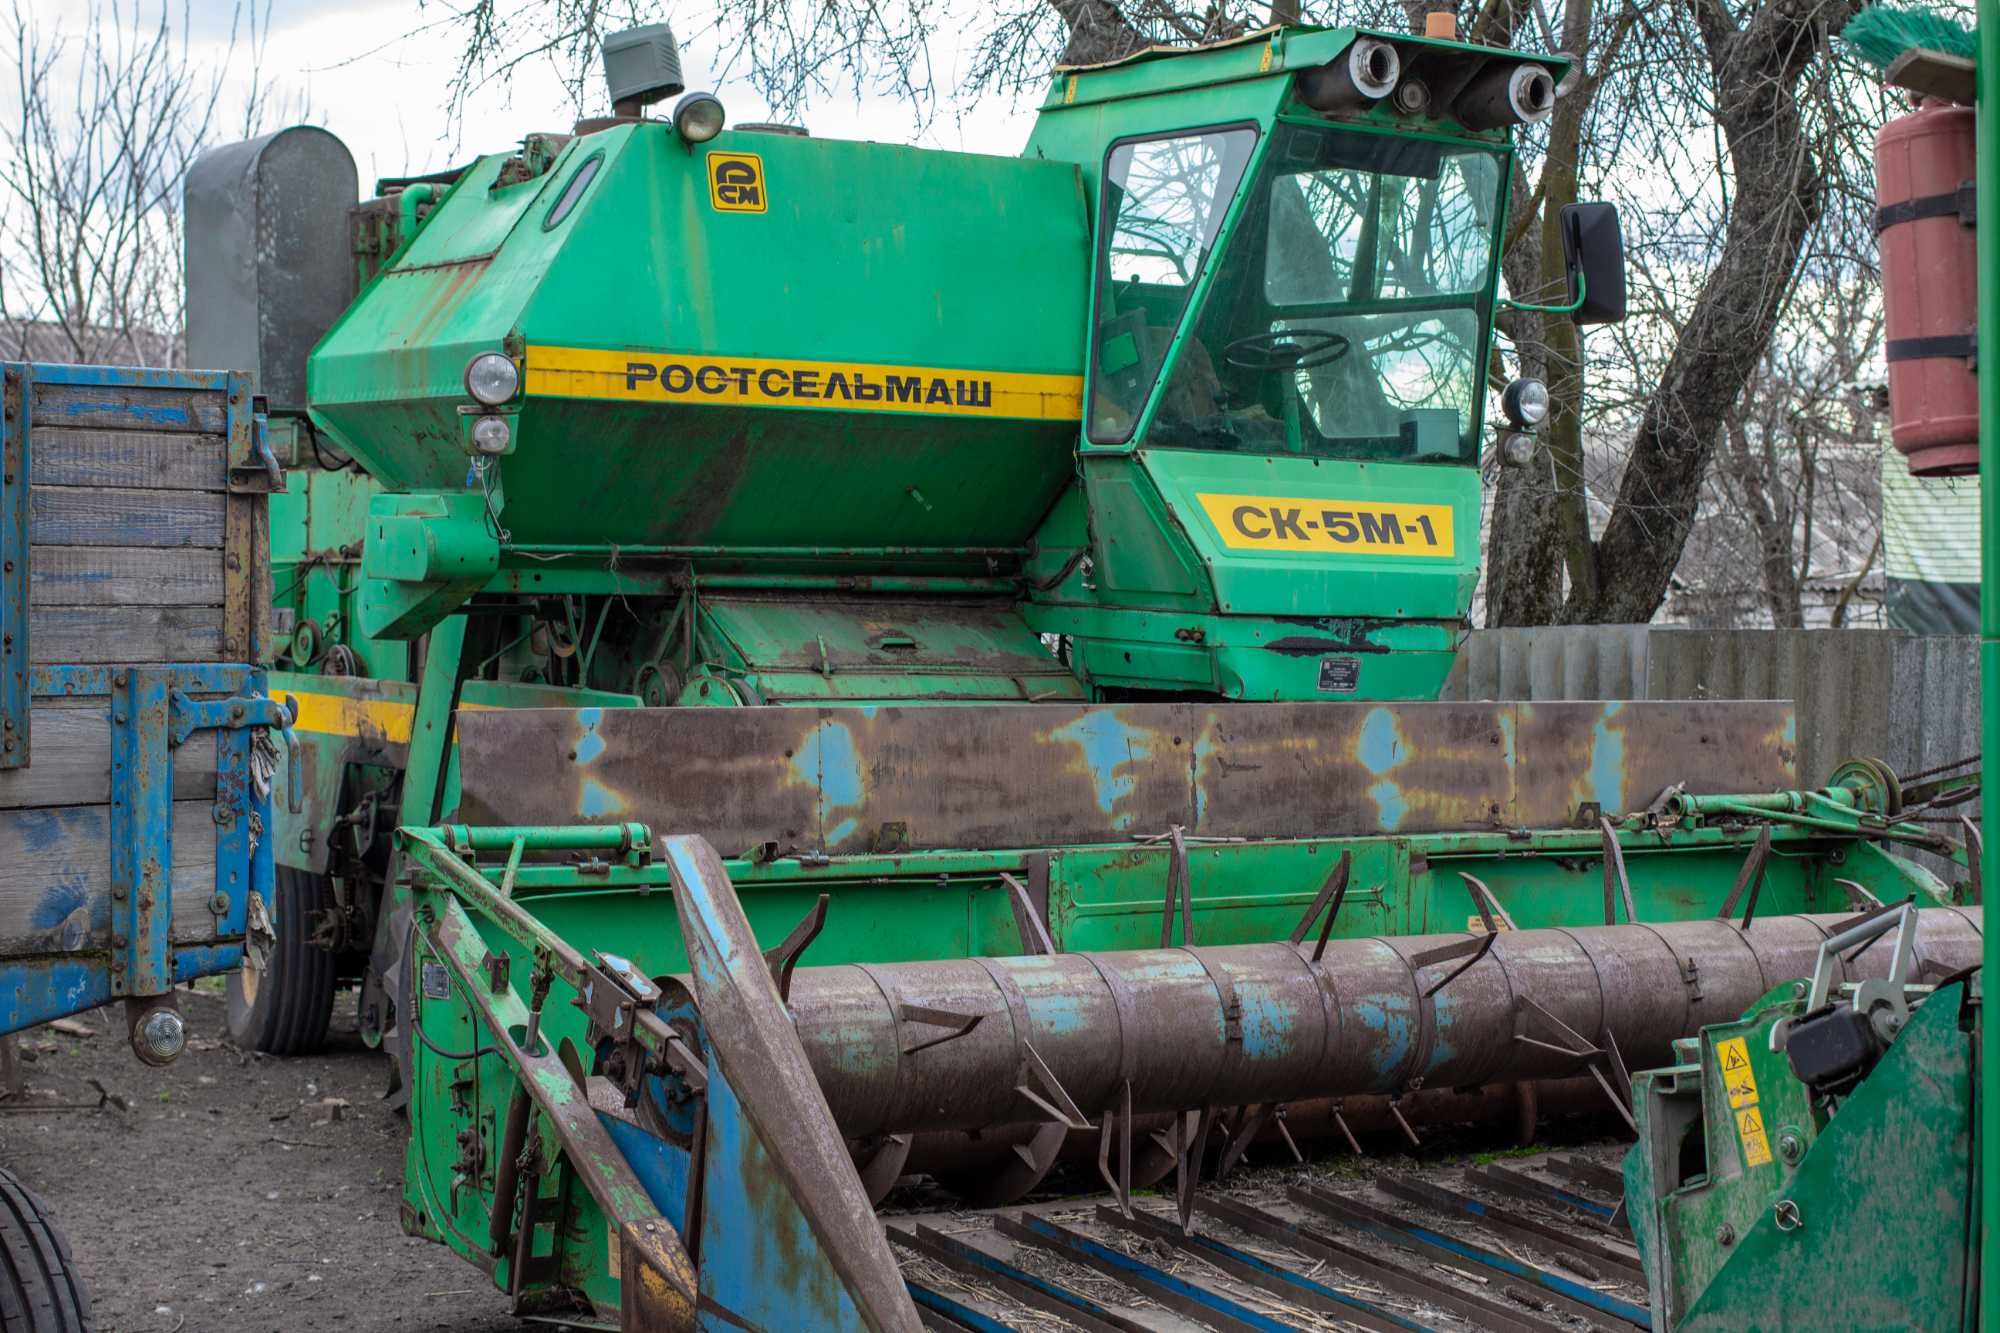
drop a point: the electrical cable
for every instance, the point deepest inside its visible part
(312, 437)
(416, 1008)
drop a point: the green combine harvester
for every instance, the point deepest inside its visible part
(821, 661)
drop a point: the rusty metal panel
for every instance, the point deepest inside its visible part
(851, 780)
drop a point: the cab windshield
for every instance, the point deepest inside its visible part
(1348, 317)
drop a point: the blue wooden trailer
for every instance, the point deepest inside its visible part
(138, 745)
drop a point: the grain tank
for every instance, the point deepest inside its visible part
(869, 358)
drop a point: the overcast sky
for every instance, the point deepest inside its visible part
(376, 74)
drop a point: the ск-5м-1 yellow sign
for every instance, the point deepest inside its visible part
(1359, 527)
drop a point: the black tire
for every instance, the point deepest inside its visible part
(282, 1007)
(40, 1291)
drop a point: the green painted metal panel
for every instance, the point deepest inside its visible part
(853, 269)
(1729, 1137)
(1269, 531)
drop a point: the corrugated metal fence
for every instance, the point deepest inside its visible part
(1911, 701)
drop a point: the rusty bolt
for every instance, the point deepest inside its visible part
(119, 718)
(1725, 1234)
(119, 941)
(118, 892)
(219, 904)
(6, 641)
(8, 744)
(118, 679)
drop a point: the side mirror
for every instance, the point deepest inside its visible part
(1594, 251)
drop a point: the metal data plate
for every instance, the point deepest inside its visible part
(852, 780)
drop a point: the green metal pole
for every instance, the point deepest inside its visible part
(430, 728)
(1989, 609)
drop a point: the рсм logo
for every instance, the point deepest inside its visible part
(736, 182)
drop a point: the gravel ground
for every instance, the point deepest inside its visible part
(236, 1192)
(228, 1196)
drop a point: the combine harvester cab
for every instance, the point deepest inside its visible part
(1015, 590)
(137, 754)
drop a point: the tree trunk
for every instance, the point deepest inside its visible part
(1771, 517)
(1541, 527)
(1757, 68)
(1098, 31)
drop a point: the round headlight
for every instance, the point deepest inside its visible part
(492, 378)
(1526, 403)
(1516, 449)
(160, 1037)
(698, 117)
(490, 435)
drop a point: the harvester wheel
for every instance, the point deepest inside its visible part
(282, 996)
(40, 1291)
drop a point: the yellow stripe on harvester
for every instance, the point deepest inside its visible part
(388, 721)
(844, 386)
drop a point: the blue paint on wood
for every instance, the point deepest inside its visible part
(40, 990)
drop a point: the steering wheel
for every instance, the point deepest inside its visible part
(1286, 349)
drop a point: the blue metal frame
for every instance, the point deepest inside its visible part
(142, 838)
(150, 713)
(166, 416)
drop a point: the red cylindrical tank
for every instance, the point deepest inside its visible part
(1924, 168)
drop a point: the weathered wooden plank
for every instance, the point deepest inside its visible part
(72, 761)
(246, 604)
(55, 880)
(60, 635)
(150, 408)
(123, 516)
(71, 456)
(125, 576)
